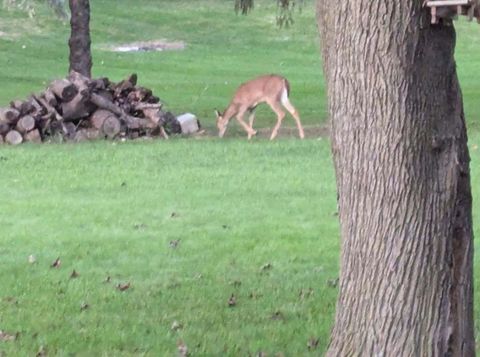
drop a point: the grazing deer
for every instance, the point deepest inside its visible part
(271, 89)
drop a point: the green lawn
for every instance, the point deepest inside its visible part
(254, 219)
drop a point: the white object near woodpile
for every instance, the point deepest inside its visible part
(189, 123)
(449, 9)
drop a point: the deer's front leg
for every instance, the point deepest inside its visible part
(245, 126)
(251, 119)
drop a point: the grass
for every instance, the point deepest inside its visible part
(252, 219)
(117, 218)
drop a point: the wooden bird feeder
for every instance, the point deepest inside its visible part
(449, 9)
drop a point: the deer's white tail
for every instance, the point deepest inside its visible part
(285, 101)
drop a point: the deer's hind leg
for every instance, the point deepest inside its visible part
(291, 109)
(277, 108)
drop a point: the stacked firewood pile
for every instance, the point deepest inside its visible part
(78, 108)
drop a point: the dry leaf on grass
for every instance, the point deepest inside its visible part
(232, 301)
(182, 349)
(312, 343)
(42, 352)
(176, 325)
(56, 264)
(174, 243)
(5, 336)
(123, 287)
(305, 293)
(266, 267)
(332, 282)
(278, 315)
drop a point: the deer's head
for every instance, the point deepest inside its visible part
(221, 123)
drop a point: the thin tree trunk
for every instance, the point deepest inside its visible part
(80, 56)
(402, 165)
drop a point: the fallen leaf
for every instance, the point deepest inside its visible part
(4, 336)
(332, 282)
(232, 301)
(140, 226)
(255, 295)
(236, 283)
(123, 287)
(10, 299)
(42, 352)
(266, 267)
(305, 293)
(176, 326)
(84, 306)
(182, 349)
(174, 243)
(277, 315)
(56, 263)
(312, 343)
(74, 274)
(32, 259)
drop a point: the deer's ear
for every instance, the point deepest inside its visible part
(217, 113)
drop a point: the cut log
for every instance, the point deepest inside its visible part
(64, 89)
(49, 98)
(126, 85)
(9, 115)
(98, 117)
(13, 137)
(51, 111)
(105, 94)
(79, 107)
(16, 104)
(69, 130)
(27, 108)
(39, 109)
(86, 134)
(139, 94)
(33, 136)
(104, 103)
(25, 124)
(4, 127)
(96, 85)
(111, 126)
(142, 106)
(132, 122)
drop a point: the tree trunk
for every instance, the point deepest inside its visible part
(80, 56)
(402, 165)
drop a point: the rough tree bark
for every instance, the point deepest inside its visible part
(402, 165)
(80, 56)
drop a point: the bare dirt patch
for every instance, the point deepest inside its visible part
(144, 46)
(311, 132)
